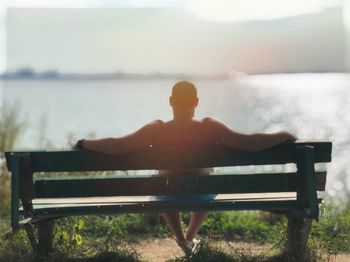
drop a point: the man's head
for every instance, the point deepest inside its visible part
(184, 96)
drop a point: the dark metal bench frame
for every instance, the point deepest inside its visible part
(300, 211)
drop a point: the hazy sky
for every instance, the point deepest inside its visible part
(184, 38)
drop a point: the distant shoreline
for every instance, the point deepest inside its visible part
(29, 75)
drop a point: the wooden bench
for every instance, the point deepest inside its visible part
(45, 199)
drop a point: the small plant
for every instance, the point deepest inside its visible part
(11, 127)
(331, 232)
(100, 238)
(259, 227)
(68, 235)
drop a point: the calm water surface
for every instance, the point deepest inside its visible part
(313, 106)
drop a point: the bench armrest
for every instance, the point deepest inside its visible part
(306, 188)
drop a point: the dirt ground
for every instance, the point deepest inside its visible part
(160, 250)
(340, 258)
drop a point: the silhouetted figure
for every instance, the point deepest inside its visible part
(184, 129)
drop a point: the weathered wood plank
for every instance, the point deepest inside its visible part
(139, 199)
(54, 203)
(15, 174)
(118, 208)
(26, 184)
(169, 185)
(169, 157)
(297, 236)
(31, 236)
(45, 230)
(306, 188)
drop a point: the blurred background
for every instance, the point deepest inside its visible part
(75, 68)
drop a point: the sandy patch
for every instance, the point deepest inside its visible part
(160, 250)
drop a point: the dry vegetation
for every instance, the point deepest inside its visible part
(103, 238)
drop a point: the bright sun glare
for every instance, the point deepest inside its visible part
(246, 10)
(218, 10)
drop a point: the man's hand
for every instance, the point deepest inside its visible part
(288, 136)
(79, 145)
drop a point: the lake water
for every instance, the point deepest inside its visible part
(312, 106)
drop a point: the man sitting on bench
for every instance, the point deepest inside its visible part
(184, 129)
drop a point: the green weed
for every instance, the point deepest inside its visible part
(101, 238)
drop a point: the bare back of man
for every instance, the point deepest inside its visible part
(191, 132)
(184, 129)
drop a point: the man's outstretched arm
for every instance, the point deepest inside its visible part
(247, 142)
(142, 138)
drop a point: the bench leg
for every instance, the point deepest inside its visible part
(45, 235)
(31, 235)
(297, 236)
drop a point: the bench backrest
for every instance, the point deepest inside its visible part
(169, 158)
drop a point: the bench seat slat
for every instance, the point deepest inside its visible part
(139, 199)
(117, 208)
(168, 185)
(53, 203)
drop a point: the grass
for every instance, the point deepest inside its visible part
(331, 233)
(102, 238)
(258, 227)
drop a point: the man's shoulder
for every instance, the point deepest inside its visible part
(213, 124)
(210, 120)
(154, 123)
(151, 127)
(207, 119)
